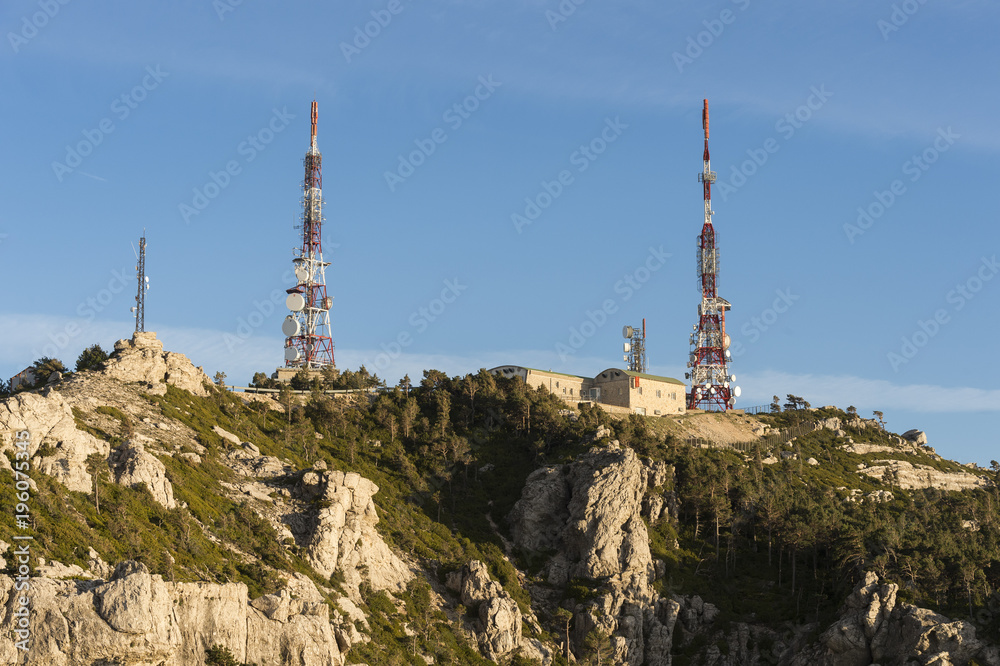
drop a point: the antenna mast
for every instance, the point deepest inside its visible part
(140, 296)
(710, 378)
(308, 343)
(635, 348)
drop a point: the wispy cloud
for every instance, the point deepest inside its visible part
(844, 390)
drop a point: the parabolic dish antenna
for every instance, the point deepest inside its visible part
(291, 354)
(301, 273)
(725, 341)
(295, 302)
(627, 331)
(627, 347)
(737, 391)
(290, 327)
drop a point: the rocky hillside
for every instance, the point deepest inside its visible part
(473, 521)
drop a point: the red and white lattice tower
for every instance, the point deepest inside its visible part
(307, 329)
(710, 379)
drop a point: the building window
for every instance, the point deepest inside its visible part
(557, 384)
(657, 393)
(571, 391)
(640, 390)
(564, 390)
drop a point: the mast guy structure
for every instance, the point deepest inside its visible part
(308, 343)
(710, 378)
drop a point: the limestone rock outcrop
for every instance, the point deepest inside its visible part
(132, 465)
(136, 618)
(52, 428)
(588, 513)
(142, 359)
(343, 537)
(499, 627)
(876, 628)
(909, 475)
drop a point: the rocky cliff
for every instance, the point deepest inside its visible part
(281, 550)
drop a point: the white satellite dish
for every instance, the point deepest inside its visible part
(625, 358)
(725, 341)
(627, 331)
(728, 354)
(737, 391)
(290, 327)
(295, 302)
(291, 354)
(301, 273)
(732, 378)
(627, 347)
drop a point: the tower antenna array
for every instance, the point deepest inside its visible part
(139, 309)
(711, 383)
(635, 348)
(308, 343)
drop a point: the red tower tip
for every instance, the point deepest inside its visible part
(315, 118)
(704, 119)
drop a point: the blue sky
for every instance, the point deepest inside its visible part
(119, 115)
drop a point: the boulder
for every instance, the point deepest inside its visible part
(343, 536)
(875, 627)
(131, 465)
(500, 621)
(587, 515)
(52, 427)
(142, 359)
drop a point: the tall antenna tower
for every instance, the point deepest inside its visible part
(710, 378)
(139, 309)
(635, 348)
(307, 329)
